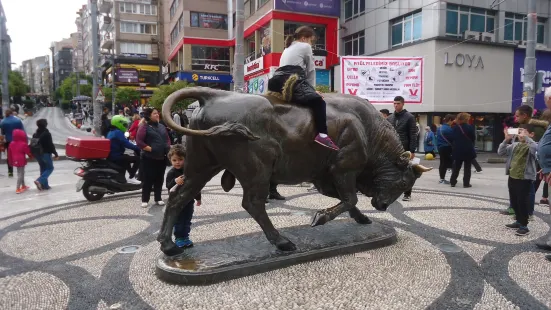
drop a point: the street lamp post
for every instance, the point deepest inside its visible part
(95, 52)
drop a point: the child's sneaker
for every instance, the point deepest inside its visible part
(444, 182)
(327, 142)
(18, 191)
(24, 188)
(515, 225)
(160, 203)
(522, 231)
(145, 204)
(183, 243)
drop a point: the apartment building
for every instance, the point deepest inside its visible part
(196, 42)
(58, 75)
(36, 73)
(130, 44)
(84, 26)
(63, 65)
(472, 55)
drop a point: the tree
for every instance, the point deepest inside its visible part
(160, 95)
(68, 88)
(126, 95)
(16, 85)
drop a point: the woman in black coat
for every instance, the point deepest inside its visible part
(463, 151)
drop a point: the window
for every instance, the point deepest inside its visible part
(516, 28)
(406, 29)
(174, 35)
(289, 28)
(136, 8)
(174, 7)
(181, 22)
(210, 55)
(139, 28)
(461, 18)
(209, 20)
(250, 51)
(135, 48)
(353, 8)
(354, 45)
(262, 2)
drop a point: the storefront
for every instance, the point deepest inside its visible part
(448, 79)
(543, 64)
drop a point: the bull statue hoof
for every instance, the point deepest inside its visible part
(284, 244)
(319, 218)
(362, 219)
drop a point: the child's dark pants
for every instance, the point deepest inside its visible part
(519, 196)
(183, 224)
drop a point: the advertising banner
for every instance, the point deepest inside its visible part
(380, 79)
(319, 7)
(254, 66)
(257, 85)
(543, 64)
(125, 75)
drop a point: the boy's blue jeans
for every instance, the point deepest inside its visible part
(183, 224)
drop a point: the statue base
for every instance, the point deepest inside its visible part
(244, 255)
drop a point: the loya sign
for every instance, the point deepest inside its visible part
(254, 66)
(461, 60)
(319, 62)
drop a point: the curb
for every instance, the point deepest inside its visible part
(61, 157)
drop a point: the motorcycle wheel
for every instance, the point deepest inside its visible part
(89, 195)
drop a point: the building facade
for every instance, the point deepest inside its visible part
(63, 65)
(36, 73)
(84, 25)
(130, 43)
(470, 51)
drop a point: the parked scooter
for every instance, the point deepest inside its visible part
(100, 177)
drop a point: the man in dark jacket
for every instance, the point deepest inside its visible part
(405, 125)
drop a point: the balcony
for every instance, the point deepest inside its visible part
(104, 6)
(107, 41)
(105, 23)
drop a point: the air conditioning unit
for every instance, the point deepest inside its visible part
(488, 37)
(522, 43)
(471, 35)
(541, 46)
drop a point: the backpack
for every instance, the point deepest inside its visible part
(36, 147)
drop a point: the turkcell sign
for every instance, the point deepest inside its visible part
(193, 77)
(543, 64)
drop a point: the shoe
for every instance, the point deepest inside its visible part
(515, 225)
(312, 189)
(23, 189)
(183, 243)
(509, 211)
(134, 181)
(522, 231)
(38, 185)
(327, 142)
(467, 186)
(145, 204)
(406, 198)
(276, 196)
(478, 171)
(18, 191)
(543, 246)
(544, 202)
(160, 203)
(10, 174)
(452, 185)
(444, 182)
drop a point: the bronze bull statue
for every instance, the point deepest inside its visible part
(261, 139)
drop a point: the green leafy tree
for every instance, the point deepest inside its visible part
(68, 88)
(16, 85)
(126, 95)
(160, 95)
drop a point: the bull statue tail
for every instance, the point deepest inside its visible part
(288, 87)
(201, 94)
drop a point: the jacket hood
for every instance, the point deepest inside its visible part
(19, 135)
(539, 123)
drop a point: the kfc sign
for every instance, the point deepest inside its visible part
(210, 67)
(319, 62)
(254, 66)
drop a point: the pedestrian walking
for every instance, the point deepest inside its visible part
(17, 155)
(406, 127)
(521, 169)
(152, 138)
(43, 148)
(463, 151)
(8, 125)
(443, 141)
(429, 142)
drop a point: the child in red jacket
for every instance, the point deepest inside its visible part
(16, 155)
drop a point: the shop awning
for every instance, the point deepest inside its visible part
(140, 67)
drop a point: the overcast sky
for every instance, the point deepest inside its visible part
(34, 24)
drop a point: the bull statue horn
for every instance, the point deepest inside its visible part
(406, 155)
(421, 168)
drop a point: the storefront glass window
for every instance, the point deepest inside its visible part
(484, 128)
(407, 29)
(210, 55)
(462, 18)
(290, 28)
(516, 28)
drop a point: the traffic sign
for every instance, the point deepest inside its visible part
(100, 96)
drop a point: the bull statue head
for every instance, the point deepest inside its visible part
(392, 180)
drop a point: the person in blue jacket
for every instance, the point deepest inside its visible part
(8, 125)
(119, 143)
(444, 137)
(544, 160)
(429, 142)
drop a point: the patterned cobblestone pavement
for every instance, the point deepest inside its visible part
(65, 257)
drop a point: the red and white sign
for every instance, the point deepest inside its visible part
(380, 79)
(254, 66)
(320, 62)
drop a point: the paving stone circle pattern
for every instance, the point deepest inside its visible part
(69, 257)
